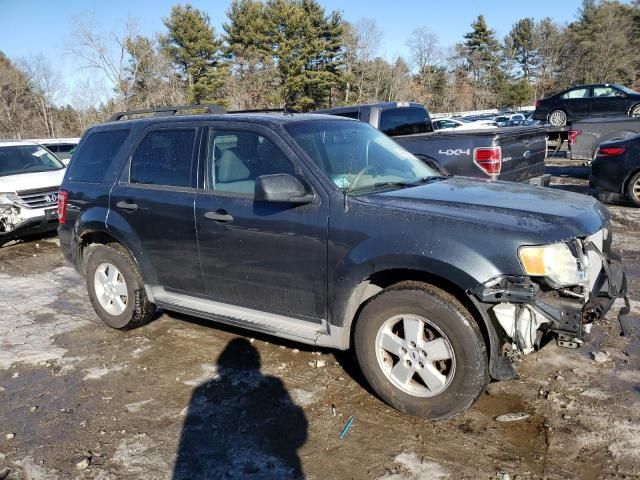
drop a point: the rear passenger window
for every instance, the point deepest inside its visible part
(164, 158)
(95, 154)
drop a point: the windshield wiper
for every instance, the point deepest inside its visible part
(433, 178)
(379, 185)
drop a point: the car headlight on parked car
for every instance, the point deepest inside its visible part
(7, 199)
(555, 262)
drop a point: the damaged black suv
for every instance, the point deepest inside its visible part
(323, 230)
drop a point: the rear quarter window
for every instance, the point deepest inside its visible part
(95, 154)
(404, 121)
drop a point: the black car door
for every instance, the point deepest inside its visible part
(608, 101)
(259, 255)
(576, 103)
(153, 203)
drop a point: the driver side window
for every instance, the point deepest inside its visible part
(236, 158)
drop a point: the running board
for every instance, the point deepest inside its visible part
(320, 334)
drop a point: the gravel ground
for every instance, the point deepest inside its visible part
(185, 398)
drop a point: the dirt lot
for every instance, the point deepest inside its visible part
(184, 398)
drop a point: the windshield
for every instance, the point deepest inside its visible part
(18, 159)
(627, 90)
(356, 156)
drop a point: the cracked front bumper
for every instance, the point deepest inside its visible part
(554, 310)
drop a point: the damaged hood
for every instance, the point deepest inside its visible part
(30, 181)
(542, 214)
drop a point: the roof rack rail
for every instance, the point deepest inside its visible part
(167, 111)
(266, 110)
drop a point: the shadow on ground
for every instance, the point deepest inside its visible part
(241, 424)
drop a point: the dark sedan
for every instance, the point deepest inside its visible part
(617, 168)
(586, 101)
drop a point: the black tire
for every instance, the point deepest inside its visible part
(558, 118)
(632, 191)
(471, 373)
(138, 311)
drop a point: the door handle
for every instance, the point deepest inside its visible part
(127, 205)
(220, 216)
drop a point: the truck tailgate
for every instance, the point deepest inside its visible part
(523, 152)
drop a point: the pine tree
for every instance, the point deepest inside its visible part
(193, 46)
(306, 49)
(525, 45)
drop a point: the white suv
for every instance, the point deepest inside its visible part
(30, 177)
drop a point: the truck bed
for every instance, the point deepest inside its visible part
(523, 150)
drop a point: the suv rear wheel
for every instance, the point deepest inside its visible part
(421, 351)
(116, 288)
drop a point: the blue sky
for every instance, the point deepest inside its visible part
(30, 27)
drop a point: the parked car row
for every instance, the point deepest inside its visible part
(436, 281)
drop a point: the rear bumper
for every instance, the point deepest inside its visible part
(608, 175)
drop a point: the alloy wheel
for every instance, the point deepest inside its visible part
(415, 355)
(111, 289)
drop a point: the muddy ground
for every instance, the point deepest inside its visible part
(185, 398)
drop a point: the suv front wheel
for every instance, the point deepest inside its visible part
(116, 288)
(421, 351)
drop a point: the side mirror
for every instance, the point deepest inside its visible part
(281, 188)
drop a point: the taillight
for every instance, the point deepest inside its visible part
(489, 159)
(62, 206)
(610, 151)
(573, 135)
(537, 104)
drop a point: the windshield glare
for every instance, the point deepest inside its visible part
(355, 155)
(18, 159)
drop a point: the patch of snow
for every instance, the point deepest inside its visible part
(140, 457)
(303, 398)
(35, 471)
(94, 373)
(210, 372)
(417, 469)
(29, 320)
(137, 406)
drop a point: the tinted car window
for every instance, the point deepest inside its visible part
(352, 114)
(404, 121)
(237, 158)
(95, 154)
(19, 159)
(576, 93)
(164, 158)
(607, 92)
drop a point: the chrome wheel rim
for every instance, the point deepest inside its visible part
(415, 355)
(110, 288)
(557, 118)
(635, 190)
(636, 111)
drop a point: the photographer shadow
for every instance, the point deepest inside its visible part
(241, 424)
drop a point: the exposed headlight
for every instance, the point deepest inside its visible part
(555, 262)
(7, 199)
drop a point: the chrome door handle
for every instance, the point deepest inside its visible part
(220, 216)
(127, 205)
